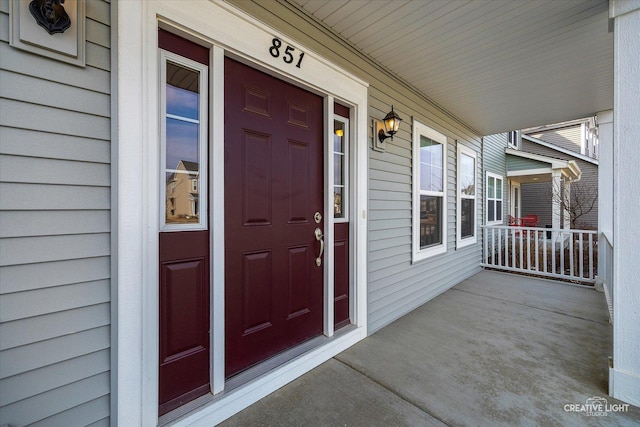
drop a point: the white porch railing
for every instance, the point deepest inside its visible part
(558, 253)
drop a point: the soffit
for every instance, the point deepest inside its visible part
(497, 65)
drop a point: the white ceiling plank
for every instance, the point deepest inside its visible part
(493, 64)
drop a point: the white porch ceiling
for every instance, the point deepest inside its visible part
(498, 65)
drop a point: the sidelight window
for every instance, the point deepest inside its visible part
(183, 142)
(340, 167)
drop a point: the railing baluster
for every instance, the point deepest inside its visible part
(581, 252)
(493, 246)
(544, 248)
(553, 252)
(513, 248)
(521, 248)
(536, 253)
(571, 249)
(561, 252)
(500, 247)
(529, 249)
(591, 256)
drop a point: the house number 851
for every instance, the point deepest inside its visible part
(287, 56)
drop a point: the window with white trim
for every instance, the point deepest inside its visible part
(512, 139)
(430, 192)
(466, 229)
(340, 168)
(495, 185)
(184, 110)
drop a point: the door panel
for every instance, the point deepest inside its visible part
(273, 187)
(341, 275)
(184, 318)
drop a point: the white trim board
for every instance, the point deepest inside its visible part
(226, 31)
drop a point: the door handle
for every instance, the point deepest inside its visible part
(319, 238)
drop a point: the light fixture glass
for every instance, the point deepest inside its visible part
(391, 125)
(392, 122)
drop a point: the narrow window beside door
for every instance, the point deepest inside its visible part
(184, 98)
(341, 168)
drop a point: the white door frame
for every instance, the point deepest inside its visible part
(227, 31)
(512, 199)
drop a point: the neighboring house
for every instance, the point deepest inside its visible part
(508, 172)
(578, 136)
(137, 292)
(575, 140)
(182, 193)
(556, 183)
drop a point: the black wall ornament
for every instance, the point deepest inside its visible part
(50, 15)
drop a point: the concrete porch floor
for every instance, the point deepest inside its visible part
(497, 349)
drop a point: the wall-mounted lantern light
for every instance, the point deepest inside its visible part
(385, 128)
(50, 15)
(391, 125)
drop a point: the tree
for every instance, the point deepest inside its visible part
(579, 201)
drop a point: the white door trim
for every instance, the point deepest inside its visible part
(512, 199)
(225, 29)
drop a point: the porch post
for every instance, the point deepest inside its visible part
(556, 205)
(605, 184)
(625, 375)
(566, 198)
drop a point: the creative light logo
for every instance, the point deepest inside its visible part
(596, 407)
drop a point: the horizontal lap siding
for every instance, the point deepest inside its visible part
(536, 199)
(396, 286)
(55, 193)
(494, 159)
(568, 138)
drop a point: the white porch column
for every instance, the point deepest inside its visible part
(605, 182)
(566, 198)
(556, 205)
(625, 374)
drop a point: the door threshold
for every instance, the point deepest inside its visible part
(235, 385)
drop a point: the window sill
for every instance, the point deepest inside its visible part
(423, 254)
(466, 242)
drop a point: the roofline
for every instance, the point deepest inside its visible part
(571, 165)
(559, 125)
(560, 149)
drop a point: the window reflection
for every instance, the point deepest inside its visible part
(431, 164)
(182, 145)
(430, 221)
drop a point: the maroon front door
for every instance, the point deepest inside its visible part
(273, 189)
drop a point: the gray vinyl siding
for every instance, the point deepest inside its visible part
(568, 137)
(55, 241)
(495, 162)
(396, 286)
(536, 199)
(515, 163)
(586, 188)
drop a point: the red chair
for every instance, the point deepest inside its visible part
(530, 220)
